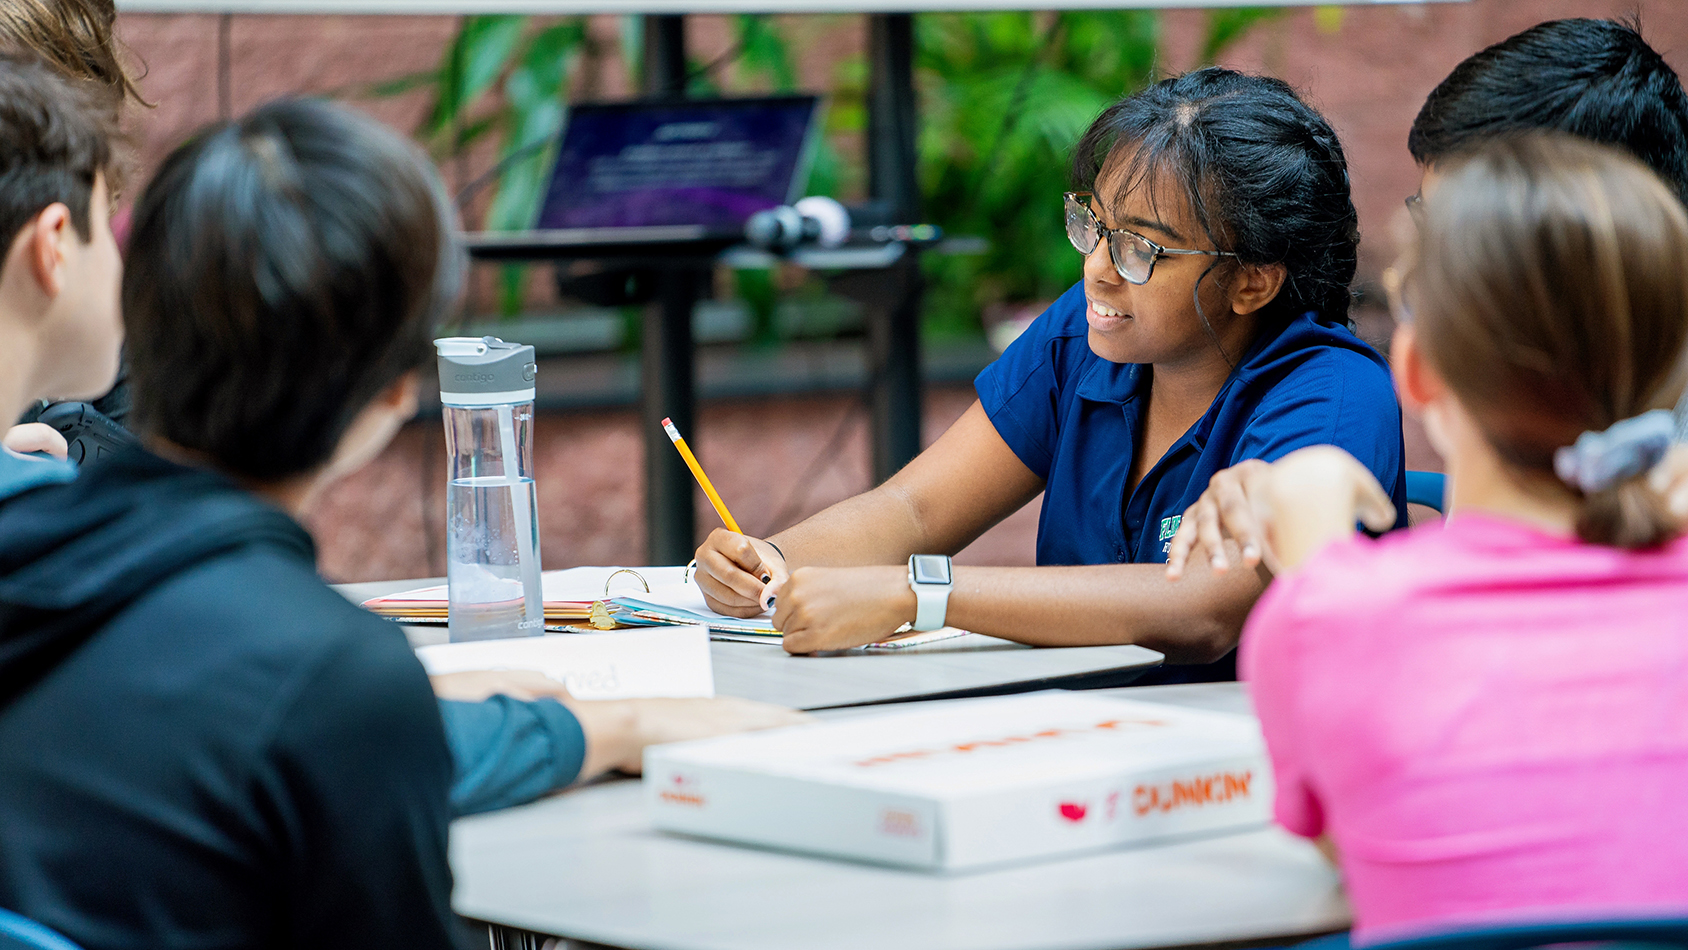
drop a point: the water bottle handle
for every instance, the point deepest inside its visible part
(522, 511)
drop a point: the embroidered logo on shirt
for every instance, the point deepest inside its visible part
(1169, 526)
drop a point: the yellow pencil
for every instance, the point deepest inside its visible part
(702, 479)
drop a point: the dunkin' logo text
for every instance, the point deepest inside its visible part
(980, 745)
(1215, 789)
(681, 791)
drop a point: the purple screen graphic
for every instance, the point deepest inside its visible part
(707, 162)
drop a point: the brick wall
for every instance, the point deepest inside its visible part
(1367, 67)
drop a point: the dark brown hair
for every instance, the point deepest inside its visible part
(283, 269)
(76, 37)
(1549, 286)
(55, 140)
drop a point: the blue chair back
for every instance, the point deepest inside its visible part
(1427, 488)
(18, 932)
(1610, 933)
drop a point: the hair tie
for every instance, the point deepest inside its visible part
(1599, 460)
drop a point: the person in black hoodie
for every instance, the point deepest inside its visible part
(201, 744)
(514, 735)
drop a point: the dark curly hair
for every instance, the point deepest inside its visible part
(1594, 79)
(1263, 172)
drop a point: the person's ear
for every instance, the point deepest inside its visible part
(1256, 286)
(45, 236)
(1416, 382)
(372, 428)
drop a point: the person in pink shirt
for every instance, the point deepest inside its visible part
(1487, 722)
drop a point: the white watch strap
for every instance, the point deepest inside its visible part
(931, 603)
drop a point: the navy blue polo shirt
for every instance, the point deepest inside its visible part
(1073, 418)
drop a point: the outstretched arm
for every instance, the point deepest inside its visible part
(1193, 621)
(950, 494)
(517, 734)
(1277, 514)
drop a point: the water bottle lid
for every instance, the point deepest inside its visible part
(484, 371)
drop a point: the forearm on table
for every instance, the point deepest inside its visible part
(950, 494)
(612, 731)
(508, 751)
(882, 526)
(1194, 620)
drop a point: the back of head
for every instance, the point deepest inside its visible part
(284, 269)
(1595, 79)
(55, 140)
(74, 36)
(1262, 171)
(1549, 286)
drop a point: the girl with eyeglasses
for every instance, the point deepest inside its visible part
(1211, 327)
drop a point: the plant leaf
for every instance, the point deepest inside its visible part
(473, 62)
(763, 52)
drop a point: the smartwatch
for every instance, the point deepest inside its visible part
(929, 577)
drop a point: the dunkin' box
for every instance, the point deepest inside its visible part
(967, 783)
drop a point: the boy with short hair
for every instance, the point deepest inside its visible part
(59, 321)
(75, 38)
(1594, 79)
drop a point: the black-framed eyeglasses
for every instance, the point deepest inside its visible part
(1134, 255)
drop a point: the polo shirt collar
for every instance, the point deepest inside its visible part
(1120, 383)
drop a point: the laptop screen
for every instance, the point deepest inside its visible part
(708, 162)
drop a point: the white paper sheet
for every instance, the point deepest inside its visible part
(575, 583)
(621, 664)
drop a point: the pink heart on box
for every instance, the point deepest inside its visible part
(1073, 811)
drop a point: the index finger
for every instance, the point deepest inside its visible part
(733, 562)
(1182, 541)
(34, 437)
(737, 548)
(1240, 520)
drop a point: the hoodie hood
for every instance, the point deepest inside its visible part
(73, 556)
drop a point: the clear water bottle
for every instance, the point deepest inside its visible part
(492, 531)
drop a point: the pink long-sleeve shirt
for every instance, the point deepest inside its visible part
(1491, 723)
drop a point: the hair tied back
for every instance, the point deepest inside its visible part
(1599, 460)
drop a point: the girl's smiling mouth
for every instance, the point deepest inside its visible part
(1103, 317)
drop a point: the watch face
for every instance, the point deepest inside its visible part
(931, 569)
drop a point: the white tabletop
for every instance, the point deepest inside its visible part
(670, 6)
(587, 865)
(965, 665)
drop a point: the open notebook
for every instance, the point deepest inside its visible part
(672, 599)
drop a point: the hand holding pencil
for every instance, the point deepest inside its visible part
(735, 572)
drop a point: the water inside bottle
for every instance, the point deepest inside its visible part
(488, 582)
